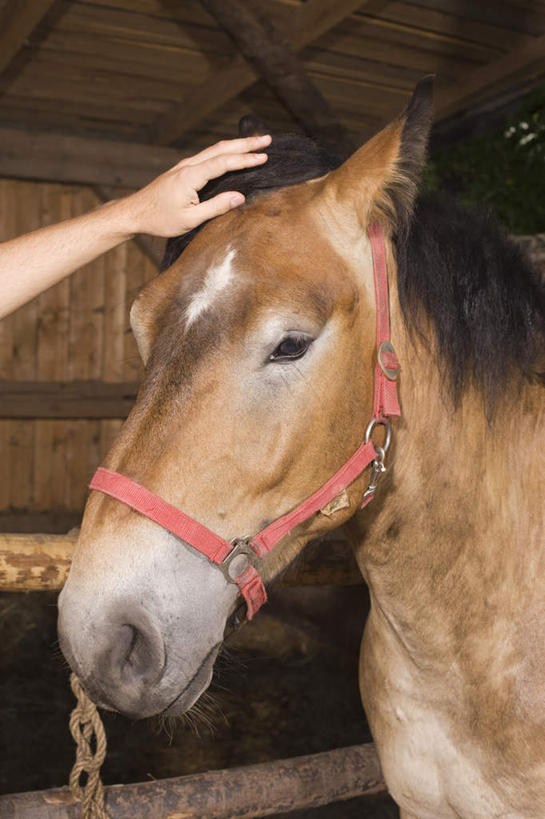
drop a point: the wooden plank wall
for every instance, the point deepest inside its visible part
(76, 330)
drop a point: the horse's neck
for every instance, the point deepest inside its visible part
(458, 533)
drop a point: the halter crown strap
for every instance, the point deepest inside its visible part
(218, 550)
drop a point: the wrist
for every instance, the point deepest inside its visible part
(123, 217)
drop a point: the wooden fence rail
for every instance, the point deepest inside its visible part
(256, 790)
(66, 399)
(36, 562)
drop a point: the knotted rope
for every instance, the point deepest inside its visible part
(88, 731)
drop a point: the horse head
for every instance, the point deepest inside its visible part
(258, 343)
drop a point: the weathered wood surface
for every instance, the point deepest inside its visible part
(527, 59)
(18, 19)
(136, 70)
(76, 331)
(265, 47)
(535, 247)
(66, 399)
(313, 19)
(38, 562)
(59, 157)
(246, 793)
(34, 562)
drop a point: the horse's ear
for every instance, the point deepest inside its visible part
(381, 178)
(252, 126)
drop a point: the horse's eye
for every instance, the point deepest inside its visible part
(290, 348)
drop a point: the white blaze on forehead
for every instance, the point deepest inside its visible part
(217, 279)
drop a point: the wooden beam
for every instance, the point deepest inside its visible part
(66, 399)
(528, 58)
(18, 19)
(57, 157)
(40, 562)
(268, 51)
(328, 561)
(534, 246)
(282, 786)
(35, 562)
(50, 521)
(312, 19)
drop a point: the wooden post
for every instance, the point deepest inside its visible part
(246, 793)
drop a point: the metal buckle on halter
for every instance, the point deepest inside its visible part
(241, 546)
(387, 347)
(377, 465)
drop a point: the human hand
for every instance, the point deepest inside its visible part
(170, 206)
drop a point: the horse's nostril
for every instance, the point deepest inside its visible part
(140, 653)
(133, 657)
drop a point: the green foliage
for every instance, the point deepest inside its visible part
(504, 172)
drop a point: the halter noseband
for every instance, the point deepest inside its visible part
(221, 552)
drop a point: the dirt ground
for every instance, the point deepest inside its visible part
(285, 686)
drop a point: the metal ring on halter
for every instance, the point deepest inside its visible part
(387, 428)
(241, 546)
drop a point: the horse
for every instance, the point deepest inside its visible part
(260, 348)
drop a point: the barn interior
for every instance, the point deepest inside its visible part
(96, 98)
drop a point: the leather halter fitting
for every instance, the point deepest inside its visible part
(253, 549)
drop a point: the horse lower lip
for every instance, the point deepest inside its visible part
(178, 706)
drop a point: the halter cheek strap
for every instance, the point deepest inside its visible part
(385, 402)
(221, 552)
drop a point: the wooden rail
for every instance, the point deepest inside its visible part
(66, 399)
(246, 793)
(39, 562)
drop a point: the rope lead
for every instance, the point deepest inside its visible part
(87, 730)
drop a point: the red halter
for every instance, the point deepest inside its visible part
(218, 550)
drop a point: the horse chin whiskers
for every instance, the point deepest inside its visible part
(201, 718)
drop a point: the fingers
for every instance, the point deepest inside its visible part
(228, 146)
(222, 203)
(200, 174)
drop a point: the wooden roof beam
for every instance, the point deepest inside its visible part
(57, 157)
(18, 20)
(528, 59)
(312, 20)
(264, 47)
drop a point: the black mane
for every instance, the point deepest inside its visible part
(485, 300)
(457, 268)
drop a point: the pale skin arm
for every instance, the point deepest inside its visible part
(168, 206)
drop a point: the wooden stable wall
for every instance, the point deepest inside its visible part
(77, 330)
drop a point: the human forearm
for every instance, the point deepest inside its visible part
(38, 260)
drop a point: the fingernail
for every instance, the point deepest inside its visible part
(236, 200)
(260, 157)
